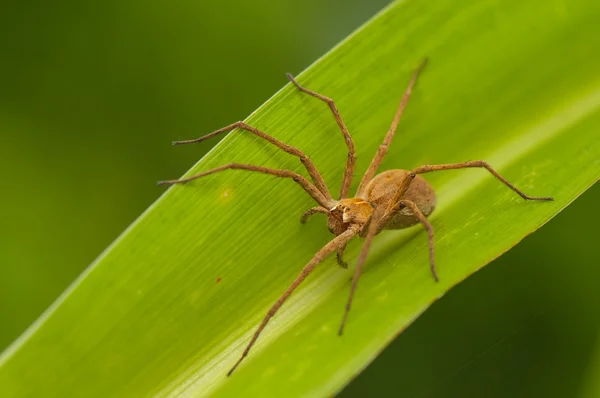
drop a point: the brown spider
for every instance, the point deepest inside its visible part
(393, 199)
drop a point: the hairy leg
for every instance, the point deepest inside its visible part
(428, 227)
(351, 161)
(310, 167)
(373, 227)
(476, 163)
(329, 248)
(395, 202)
(303, 182)
(383, 148)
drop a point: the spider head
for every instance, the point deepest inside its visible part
(354, 210)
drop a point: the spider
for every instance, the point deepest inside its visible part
(393, 199)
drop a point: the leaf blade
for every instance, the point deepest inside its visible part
(150, 313)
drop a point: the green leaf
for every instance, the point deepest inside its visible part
(169, 307)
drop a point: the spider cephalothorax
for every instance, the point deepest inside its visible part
(354, 210)
(393, 199)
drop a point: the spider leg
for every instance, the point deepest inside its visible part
(351, 161)
(383, 148)
(303, 182)
(310, 166)
(428, 227)
(477, 163)
(397, 203)
(329, 248)
(371, 232)
(394, 204)
(312, 211)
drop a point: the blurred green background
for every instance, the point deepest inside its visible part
(92, 94)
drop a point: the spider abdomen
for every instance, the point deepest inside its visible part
(382, 188)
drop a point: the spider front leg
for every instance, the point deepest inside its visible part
(351, 160)
(317, 178)
(303, 182)
(329, 248)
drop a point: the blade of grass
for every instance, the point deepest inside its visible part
(169, 306)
